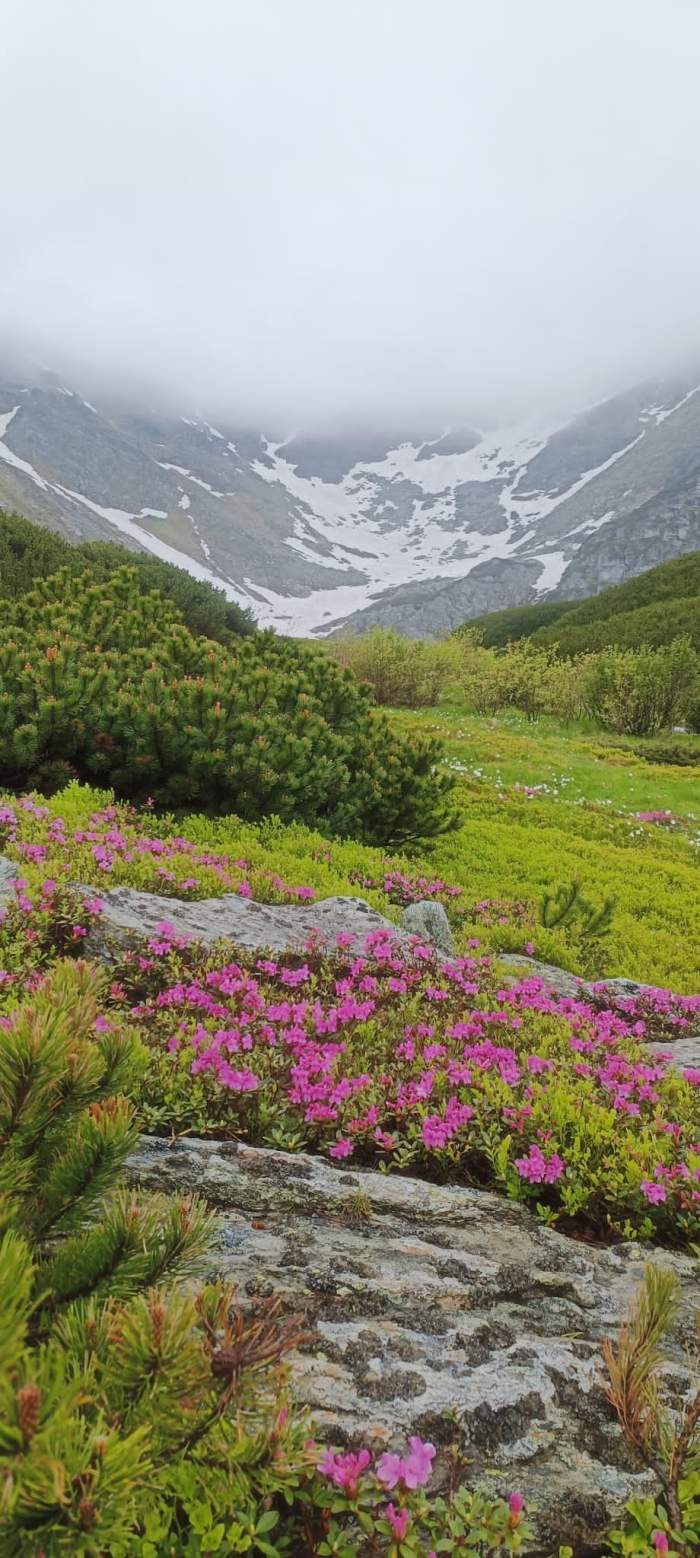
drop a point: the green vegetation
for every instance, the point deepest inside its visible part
(29, 553)
(543, 800)
(497, 628)
(655, 607)
(106, 682)
(640, 691)
(139, 1418)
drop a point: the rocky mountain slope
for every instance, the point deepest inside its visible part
(419, 532)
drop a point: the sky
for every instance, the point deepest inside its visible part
(335, 213)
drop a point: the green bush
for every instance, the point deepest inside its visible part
(401, 672)
(108, 680)
(29, 553)
(639, 692)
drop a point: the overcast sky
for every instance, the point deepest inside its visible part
(354, 210)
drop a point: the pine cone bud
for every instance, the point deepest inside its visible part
(28, 1404)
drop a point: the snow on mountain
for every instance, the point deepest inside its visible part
(314, 532)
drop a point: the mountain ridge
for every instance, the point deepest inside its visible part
(320, 534)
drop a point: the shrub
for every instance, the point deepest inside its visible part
(395, 1061)
(107, 679)
(672, 751)
(639, 692)
(401, 672)
(29, 553)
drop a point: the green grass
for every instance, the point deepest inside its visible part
(574, 762)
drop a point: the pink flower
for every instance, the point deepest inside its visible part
(538, 1169)
(654, 1193)
(344, 1470)
(660, 1541)
(399, 1520)
(390, 1469)
(419, 1464)
(342, 1148)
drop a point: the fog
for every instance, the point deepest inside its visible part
(367, 212)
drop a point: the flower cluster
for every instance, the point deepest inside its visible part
(119, 839)
(380, 1054)
(403, 889)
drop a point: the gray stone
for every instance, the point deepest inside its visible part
(565, 984)
(683, 1052)
(129, 914)
(556, 979)
(441, 1310)
(429, 920)
(9, 871)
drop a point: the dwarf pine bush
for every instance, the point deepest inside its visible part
(107, 681)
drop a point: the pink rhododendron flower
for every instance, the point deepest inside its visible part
(341, 1149)
(538, 1169)
(399, 1520)
(654, 1193)
(344, 1470)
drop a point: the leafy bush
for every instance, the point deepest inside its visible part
(401, 672)
(641, 692)
(395, 1061)
(672, 751)
(107, 679)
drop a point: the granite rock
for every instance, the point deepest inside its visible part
(440, 1310)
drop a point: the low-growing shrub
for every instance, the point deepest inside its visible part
(108, 680)
(401, 672)
(392, 1060)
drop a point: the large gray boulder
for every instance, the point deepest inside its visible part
(129, 914)
(441, 1310)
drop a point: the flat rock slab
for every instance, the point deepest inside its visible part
(128, 914)
(440, 1310)
(569, 985)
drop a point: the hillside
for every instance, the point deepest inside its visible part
(416, 528)
(658, 605)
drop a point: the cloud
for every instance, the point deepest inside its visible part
(319, 214)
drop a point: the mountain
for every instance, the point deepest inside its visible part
(651, 608)
(316, 534)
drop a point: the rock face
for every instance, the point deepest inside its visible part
(441, 1310)
(565, 984)
(429, 920)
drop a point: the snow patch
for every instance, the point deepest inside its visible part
(10, 458)
(553, 565)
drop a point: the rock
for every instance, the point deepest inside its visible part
(9, 871)
(683, 1052)
(429, 920)
(439, 1310)
(565, 984)
(556, 979)
(258, 926)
